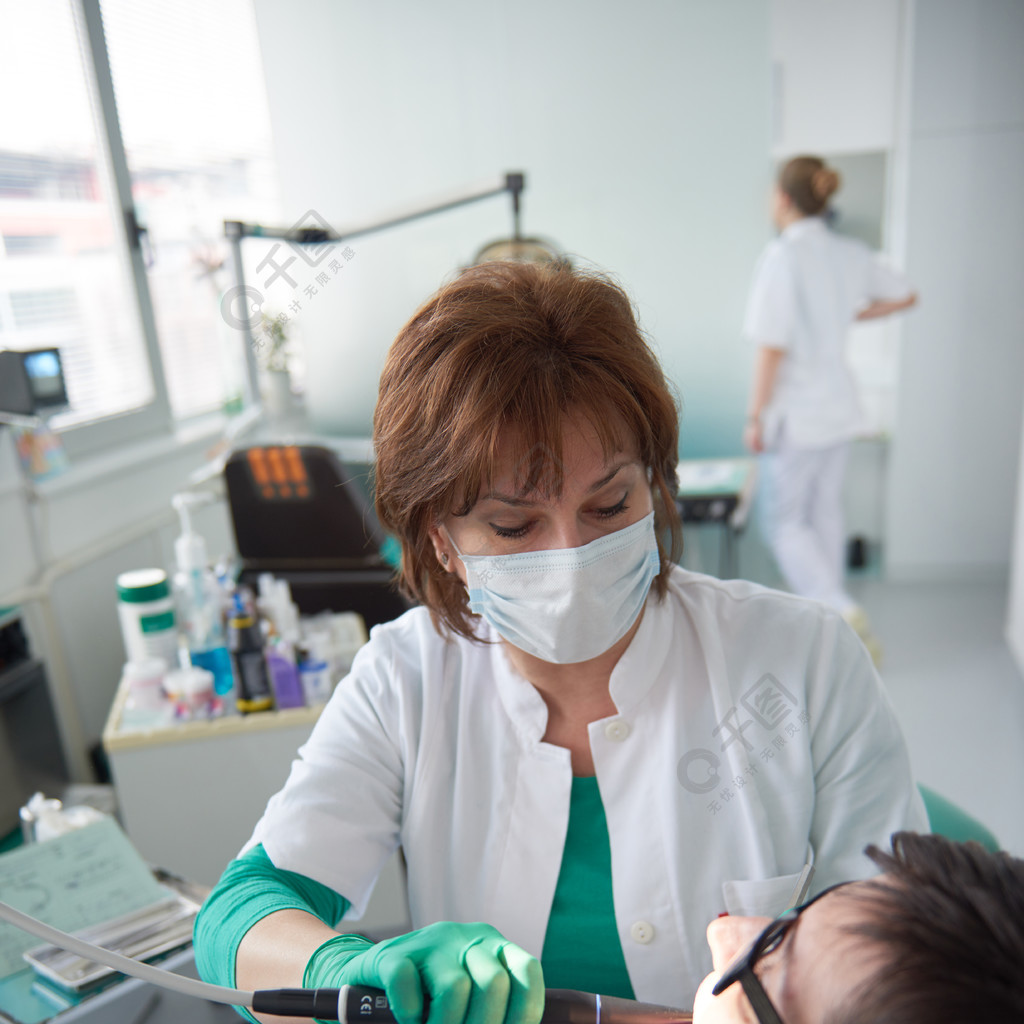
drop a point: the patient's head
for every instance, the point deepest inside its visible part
(937, 939)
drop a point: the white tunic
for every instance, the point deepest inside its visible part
(808, 287)
(752, 732)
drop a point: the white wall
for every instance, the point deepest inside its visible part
(1015, 614)
(954, 459)
(836, 69)
(643, 131)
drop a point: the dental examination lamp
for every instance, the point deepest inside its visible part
(348, 1004)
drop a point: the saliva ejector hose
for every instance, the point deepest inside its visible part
(348, 1004)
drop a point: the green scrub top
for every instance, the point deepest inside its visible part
(582, 948)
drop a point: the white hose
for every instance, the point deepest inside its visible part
(124, 964)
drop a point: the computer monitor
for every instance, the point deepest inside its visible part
(32, 382)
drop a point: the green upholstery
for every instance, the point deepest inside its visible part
(946, 819)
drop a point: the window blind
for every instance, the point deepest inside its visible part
(64, 279)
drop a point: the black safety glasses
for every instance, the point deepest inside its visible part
(742, 968)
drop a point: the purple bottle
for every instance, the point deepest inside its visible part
(284, 677)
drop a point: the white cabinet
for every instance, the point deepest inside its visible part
(190, 794)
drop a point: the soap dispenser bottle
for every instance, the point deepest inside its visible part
(199, 602)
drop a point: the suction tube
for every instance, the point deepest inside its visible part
(124, 964)
(349, 1004)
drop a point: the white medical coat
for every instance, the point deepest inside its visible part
(808, 287)
(751, 732)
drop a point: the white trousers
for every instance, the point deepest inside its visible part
(803, 521)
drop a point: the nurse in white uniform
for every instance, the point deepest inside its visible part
(809, 287)
(584, 752)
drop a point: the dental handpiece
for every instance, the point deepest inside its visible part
(561, 1006)
(350, 1003)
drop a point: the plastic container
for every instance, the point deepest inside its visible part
(146, 612)
(145, 682)
(146, 706)
(348, 634)
(191, 690)
(314, 670)
(284, 677)
(336, 638)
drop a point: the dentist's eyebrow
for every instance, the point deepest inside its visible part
(510, 499)
(611, 476)
(517, 501)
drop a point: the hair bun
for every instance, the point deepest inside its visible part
(824, 182)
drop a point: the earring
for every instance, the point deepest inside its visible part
(444, 559)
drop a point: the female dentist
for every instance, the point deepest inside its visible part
(809, 286)
(584, 752)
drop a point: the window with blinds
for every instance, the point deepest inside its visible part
(64, 276)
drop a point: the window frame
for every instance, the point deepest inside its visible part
(156, 417)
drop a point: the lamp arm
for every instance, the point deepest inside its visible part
(514, 184)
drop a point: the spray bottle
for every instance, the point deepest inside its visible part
(199, 600)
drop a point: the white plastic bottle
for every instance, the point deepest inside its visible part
(314, 669)
(146, 612)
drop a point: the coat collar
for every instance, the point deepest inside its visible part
(637, 670)
(803, 226)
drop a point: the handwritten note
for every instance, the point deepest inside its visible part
(72, 881)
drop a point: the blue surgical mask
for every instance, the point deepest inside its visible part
(566, 604)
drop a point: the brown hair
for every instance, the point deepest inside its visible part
(809, 183)
(500, 356)
(948, 918)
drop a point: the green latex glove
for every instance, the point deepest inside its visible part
(472, 974)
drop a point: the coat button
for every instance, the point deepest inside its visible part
(616, 731)
(642, 932)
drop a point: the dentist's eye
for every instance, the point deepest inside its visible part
(510, 532)
(612, 510)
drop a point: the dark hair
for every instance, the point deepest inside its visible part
(809, 183)
(499, 356)
(949, 920)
